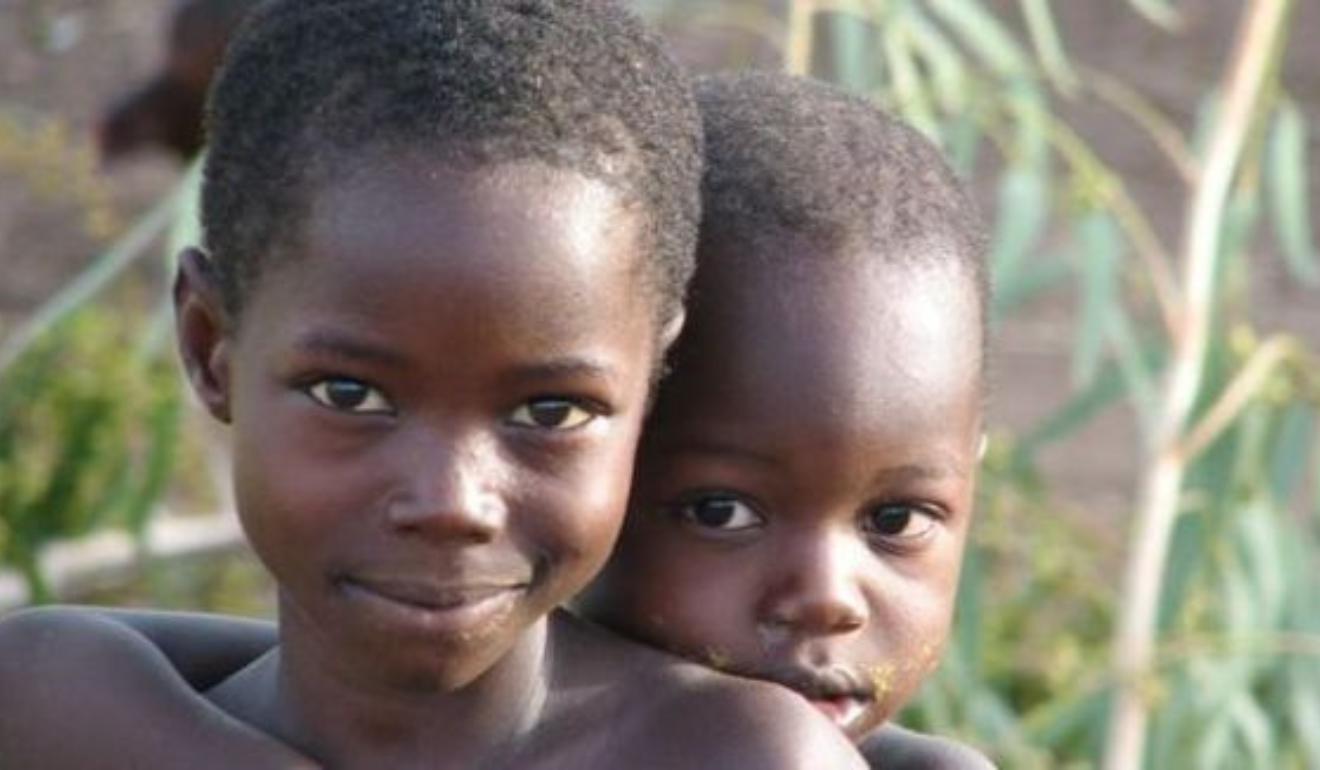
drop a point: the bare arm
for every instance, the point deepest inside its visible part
(203, 649)
(901, 749)
(88, 688)
(749, 724)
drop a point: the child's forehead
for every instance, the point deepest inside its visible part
(796, 276)
(829, 333)
(477, 189)
(523, 218)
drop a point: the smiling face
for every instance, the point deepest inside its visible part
(435, 406)
(805, 487)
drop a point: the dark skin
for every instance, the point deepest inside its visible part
(434, 408)
(451, 432)
(801, 529)
(805, 487)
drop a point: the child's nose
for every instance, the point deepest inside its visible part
(448, 492)
(815, 590)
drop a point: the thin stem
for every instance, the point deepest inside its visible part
(39, 590)
(128, 249)
(1083, 160)
(1141, 111)
(797, 48)
(1259, 36)
(1246, 384)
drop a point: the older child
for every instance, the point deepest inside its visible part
(803, 497)
(447, 243)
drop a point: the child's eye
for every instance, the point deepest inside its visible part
(901, 522)
(720, 512)
(345, 394)
(552, 414)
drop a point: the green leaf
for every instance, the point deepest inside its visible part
(1099, 246)
(1023, 213)
(910, 96)
(1076, 412)
(1253, 432)
(988, 38)
(1183, 583)
(163, 422)
(1315, 486)
(852, 63)
(1168, 740)
(1290, 193)
(1024, 209)
(1131, 357)
(962, 143)
(1063, 719)
(1045, 37)
(947, 77)
(1158, 11)
(1304, 716)
(1264, 571)
(968, 616)
(1288, 463)
(1255, 730)
(1027, 284)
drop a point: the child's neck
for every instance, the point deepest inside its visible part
(318, 708)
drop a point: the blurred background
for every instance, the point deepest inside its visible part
(1143, 589)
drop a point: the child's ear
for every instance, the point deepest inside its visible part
(203, 329)
(673, 327)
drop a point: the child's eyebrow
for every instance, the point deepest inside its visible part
(346, 346)
(564, 367)
(708, 446)
(934, 470)
(340, 345)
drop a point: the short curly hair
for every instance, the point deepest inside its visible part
(788, 155)
(308, 87)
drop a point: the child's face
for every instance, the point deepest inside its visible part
(435, 406)
(805, 487)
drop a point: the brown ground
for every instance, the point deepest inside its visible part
(64, 59)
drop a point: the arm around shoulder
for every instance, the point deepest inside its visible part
(79, 689)
(754, 724)
(902, 749)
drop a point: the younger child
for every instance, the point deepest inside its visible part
(805, 486)
(447, 243)
(805, 483)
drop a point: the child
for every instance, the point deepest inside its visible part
(447, 246)
(805, 488)
(805, 483)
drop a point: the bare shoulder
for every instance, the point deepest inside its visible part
(662, 711)
(902, 749)
(742, 723)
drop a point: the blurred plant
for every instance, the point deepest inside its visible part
(86, 438)
(1208, 653)
(40, 151)
(90, 406)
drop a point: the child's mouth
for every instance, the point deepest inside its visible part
(438, 608)
(841, 694)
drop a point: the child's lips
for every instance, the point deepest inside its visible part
(432, 596)
(438, 607)
(843, 696)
